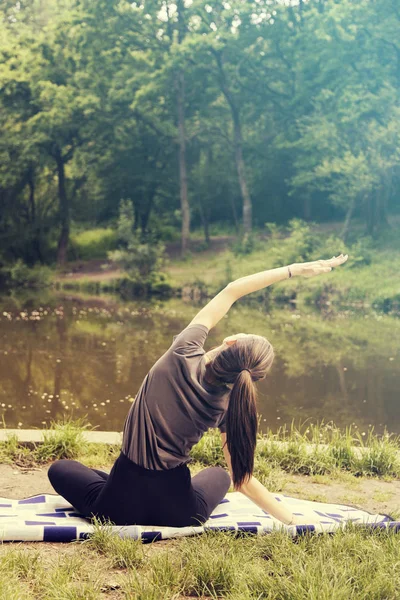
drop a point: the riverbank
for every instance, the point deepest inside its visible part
(365, 281)
(213, 565)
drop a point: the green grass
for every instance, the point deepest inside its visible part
(351, 564)
(366, 279)
(92, 243)
(315, 449)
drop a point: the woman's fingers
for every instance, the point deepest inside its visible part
(338, 260)
(334, 261)
(339, 257)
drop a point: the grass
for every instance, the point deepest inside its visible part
(92, 243)
(365, 280)
(351, 564)
(314, 449)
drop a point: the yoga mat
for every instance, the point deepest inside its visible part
(50, 518)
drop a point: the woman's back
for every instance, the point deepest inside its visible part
(174, 405)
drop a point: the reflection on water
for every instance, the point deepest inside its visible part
(65, 356)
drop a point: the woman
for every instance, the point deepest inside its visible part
(186, 392)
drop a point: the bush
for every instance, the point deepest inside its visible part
(299, 246)
(166, 233)
(361, 252)
(92, 243)
(20, 275)
(129, 288)
(245, 245)
(141, 258)
(303, 245)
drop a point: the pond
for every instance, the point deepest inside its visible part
(85, 357)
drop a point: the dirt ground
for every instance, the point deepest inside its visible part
(372, 494)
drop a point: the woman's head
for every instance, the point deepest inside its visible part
(241, 360)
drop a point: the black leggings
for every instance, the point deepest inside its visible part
(133, 495)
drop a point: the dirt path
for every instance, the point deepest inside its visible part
(104, 270)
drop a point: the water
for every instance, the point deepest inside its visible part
(86, 357)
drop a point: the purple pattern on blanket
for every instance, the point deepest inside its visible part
(39, 523)
(33, 500)
(238, 514)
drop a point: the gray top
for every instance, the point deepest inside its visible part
(174, 406)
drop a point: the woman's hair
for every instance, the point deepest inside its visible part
(255, 353)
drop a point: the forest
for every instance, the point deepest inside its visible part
(230, 113)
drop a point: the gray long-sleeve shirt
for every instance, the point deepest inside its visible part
(174, 406)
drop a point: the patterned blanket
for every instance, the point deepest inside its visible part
(50, 518)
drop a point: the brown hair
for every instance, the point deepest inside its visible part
(256, 354)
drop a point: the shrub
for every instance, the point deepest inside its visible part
(140, 257)
(299, 246)
(93, 243)
(245, 245)
(21, 275)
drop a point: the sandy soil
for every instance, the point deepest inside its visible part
(374, 495)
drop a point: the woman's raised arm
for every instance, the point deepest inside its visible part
(217, 308)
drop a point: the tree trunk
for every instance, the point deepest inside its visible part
(145, 216)
(346, 226)
(234, 211)
(35, 227)
(182, 163)
(64, 210)
(32, 204)
(238, 144)
(204, 220)
(247, 208)
(180, 88)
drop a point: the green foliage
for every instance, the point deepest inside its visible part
(165, 232)
(313, 450)
(208, 450)
(245, 245)
(123, 553)
(126, 222)
(299, 245)
(20, 275)
(361, 252)
(142, 259)
(320, 137)
(92, 243)
(64, 439)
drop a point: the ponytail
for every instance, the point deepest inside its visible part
(241, 428)
(241, 364)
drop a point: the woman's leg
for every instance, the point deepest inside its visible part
(75, 482)
(102, 474)
(210, 487)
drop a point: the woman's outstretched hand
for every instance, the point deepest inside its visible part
(316, 267)
(298, 520)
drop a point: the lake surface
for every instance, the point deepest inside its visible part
(86, 358)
